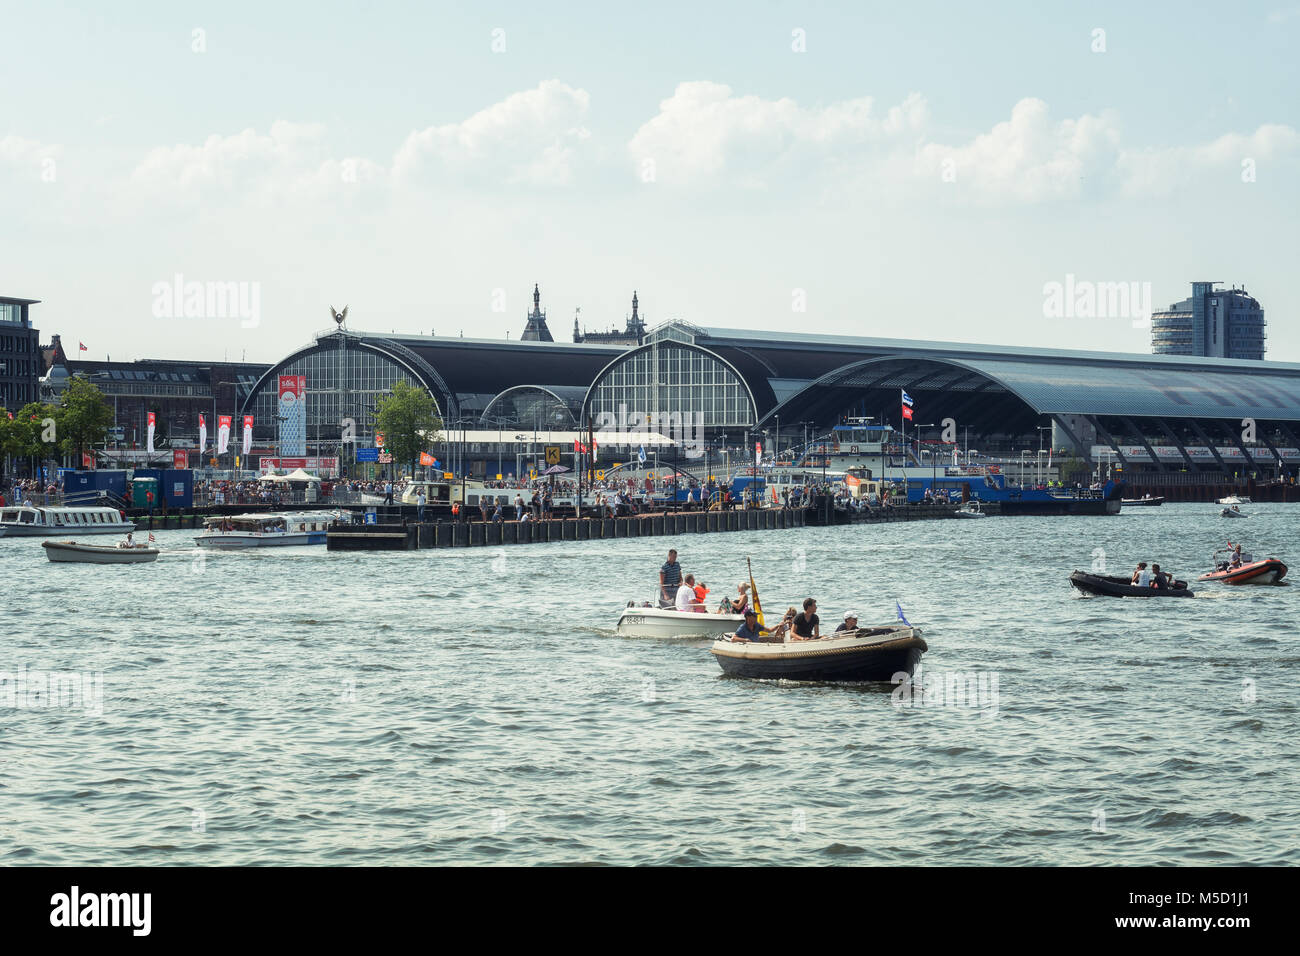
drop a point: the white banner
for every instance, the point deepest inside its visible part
(248, 434)
(151, 427)
(223, 434)
(203, 434)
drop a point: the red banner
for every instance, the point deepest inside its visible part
(180, 458)
(426, 459)
(87, 459)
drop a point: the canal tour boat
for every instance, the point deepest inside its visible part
(70, 552)
(666, 622)
(270, 529)
(1100, 585)
(26, 521)
(866, 654)
(1249, 571)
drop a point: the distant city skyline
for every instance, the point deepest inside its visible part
(911, 173)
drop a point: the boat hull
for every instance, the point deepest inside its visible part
(830, 659)
(661, 622)
(1143, 502)
(47, 531)
(1270, 571)
(1061, 506)
(233, 539)
(69, 552)
(1102, 586)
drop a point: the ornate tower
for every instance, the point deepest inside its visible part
(635, 325)
(536, 330)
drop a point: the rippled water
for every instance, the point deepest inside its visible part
(300, 707)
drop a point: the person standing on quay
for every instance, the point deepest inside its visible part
(420, 502)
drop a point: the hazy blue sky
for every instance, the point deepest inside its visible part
(919, 169)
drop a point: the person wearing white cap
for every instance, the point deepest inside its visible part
(850, 622)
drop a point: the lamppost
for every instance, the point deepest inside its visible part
(1041, 429)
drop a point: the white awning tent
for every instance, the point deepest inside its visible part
(299, 475)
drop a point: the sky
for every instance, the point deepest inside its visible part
(921, 170)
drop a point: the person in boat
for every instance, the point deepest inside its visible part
(751, 632)
(1236, 557)
(1159, 580)
(670, 577)
(850, 622)
(685, 599)
(1141, 576)
(129, 542)
(807, 625)
(701, 598)
(741, 604)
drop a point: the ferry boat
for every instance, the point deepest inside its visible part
(269, 529)
(1234, 500)
(28, 521)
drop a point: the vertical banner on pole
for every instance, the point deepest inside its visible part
(293, 415)
(223, 433)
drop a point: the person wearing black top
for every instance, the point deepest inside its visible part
(807, 626)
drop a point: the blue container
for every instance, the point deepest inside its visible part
(86, 488)
(175, 485)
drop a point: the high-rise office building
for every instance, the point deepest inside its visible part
(1222, 323)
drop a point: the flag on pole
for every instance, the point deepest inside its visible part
(223, 433)
(81, 347)
(753, 594)
(151, 427)
(640, 455)
(203, 434)
(907, 406)
(758, 453)
(248, 434)
(900, 614)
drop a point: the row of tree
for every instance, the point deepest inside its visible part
(40, 431)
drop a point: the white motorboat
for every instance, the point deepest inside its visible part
(26, 521)
(1234, 500)
(970, 509)
(665, 622)
(70, 552)
(270, 529)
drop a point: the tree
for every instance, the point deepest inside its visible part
(409, 422)
(85, 417)
(31, 434)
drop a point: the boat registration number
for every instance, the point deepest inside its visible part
(634, 619)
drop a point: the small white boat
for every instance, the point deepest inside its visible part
(271, 529)
(74, 553)
(1234, 500)
(26, 521)
(970, 509)
(665, 622)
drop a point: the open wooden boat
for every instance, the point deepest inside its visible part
(70, 552)
(867, 654)
(1104, 586)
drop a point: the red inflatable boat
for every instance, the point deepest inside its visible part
(1268, 571)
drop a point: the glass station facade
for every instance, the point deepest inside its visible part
(671, 378)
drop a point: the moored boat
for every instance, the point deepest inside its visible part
(867, 654)
(1146, 501)
(666, 622)
(970, 509)
(1234, 500)
(26, 521)
(1248, 571)
(1104, 586)
(70, 552)
(271, 529)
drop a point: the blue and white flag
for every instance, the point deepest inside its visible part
(907, 399)
(640, 455)
(900, 614)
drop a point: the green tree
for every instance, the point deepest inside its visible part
(85, 419)
(31, 434)
(409, 422)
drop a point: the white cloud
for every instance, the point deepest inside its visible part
(535, 137)
(27, 159)
(291, 158)
(703, 133)
(1149, 172)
